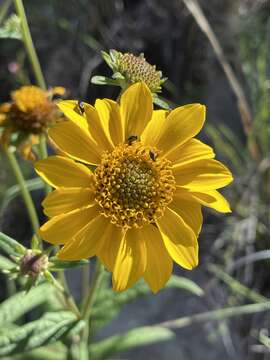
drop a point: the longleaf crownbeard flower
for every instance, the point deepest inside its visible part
(30, 112)
(132, 185)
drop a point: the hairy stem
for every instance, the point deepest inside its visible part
(24, 190)
(43, 155)
(86, 312)
(28, 42)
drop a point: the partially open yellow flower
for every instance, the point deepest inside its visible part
(31, 110)
(30, 113)
(131, 189)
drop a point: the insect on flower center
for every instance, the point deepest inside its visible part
(134, 185)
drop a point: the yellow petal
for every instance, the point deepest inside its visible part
(136, 106)
(179, 239)
(68, 109)
(63, 172)
(202, 175)
(159, 264)
(98, 126)
(75, 142)
(192, 150)
(130, 262)
(88, 241)
(111, 246)
(189, 210)
(109, 113)
(181, 124)
(212, 199)
(151, 133)
(64, 200)
(60, 229)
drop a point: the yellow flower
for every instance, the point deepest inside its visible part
(30, 112)
(131, 186)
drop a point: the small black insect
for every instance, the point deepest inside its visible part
(79, 108)
(152, 155)
(131, 139)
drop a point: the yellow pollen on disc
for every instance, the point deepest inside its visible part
(133, 185)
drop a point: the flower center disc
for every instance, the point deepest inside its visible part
(134, 185)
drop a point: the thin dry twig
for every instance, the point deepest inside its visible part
(243, 105)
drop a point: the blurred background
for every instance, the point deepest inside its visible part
(220, 59)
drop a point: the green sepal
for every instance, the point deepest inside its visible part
(161, 102)
(56, 264)
(118, 76)
(107, 58)
(103, 80)
(114, 54)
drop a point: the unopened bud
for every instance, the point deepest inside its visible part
(33, 264)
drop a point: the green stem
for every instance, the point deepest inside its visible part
(87, 308)
(28, 42)
(216, 315)
(43, 155)
(68, 297)
(88, 304)
(85, 281)
(24, 190)
(33, 58)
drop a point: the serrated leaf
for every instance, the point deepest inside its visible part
(57, 264)
(17, 305)
(136, 337)
(11, 28)
(103, 80)
(11, 246)
(49, 329)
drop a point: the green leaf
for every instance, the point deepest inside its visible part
(6, 264)
(11, 246)
(19, 304)
(103, 80)
(56, 351)
(183, 283)
(11, 28)
(136, 337)
(108, 303)
(49, 329)
(14, 191)
(57, 264)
